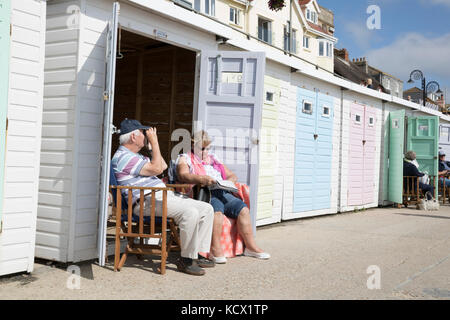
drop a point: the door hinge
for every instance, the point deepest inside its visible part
(105, 95)
(10, 29)
(1, 226)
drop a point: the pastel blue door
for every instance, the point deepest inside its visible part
(229, 109)
(313, 151)
(5, 12)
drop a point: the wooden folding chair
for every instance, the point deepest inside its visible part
(443, 191)
(141, 227)
(411, 190)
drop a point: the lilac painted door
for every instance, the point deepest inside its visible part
(362, 147)
(229, 109)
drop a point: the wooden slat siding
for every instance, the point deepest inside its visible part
(349, 98)
(88, 129)
(268, 145)
(55, 182)
(24, 136)
(286, 146)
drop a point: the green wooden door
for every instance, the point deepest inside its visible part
(396, 148)
(5, 12)
(423, 139)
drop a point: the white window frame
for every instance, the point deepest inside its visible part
(308, 42)
(269, 29)
(236, 16)
(304, 109)
(311, 16)
(373, 121)
(358, 122)
(267, 101)
(327, 115)
(327, 49)
(200, 5)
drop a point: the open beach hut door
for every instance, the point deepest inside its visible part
(396, 149)
(108, 97)
(229, 109)
(423, 139)
(5, 12)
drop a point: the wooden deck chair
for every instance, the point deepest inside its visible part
(134, 227)
(444, 191)
(411, 190)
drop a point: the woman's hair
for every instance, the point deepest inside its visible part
(201, 138)
(410, 155)
(125, 138)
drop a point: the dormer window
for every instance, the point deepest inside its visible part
(311, 16)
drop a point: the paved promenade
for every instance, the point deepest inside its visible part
(403, 252)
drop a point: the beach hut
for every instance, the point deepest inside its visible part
(22, 42)
(164, 72)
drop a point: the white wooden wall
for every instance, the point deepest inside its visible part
(17, 241)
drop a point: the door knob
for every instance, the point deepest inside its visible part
(316, 136)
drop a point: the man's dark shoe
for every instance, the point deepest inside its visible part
(205, 263)
(189, 266)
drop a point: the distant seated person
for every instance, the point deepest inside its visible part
(410, 170)
(194, 218)
(444, 169)
(201, 167)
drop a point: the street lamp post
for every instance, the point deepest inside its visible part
(430, 87)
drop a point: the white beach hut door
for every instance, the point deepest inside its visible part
(229, 109)
(111, 52)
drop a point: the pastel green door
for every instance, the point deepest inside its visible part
(395, 160)
(5, 12)
(423, 139)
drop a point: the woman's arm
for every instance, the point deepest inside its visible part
(184, 176)
(230, 174)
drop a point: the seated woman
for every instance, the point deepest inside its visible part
(410, 170)
(201, 167)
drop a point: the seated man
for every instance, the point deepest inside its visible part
(200, 167)
(410, 170)
(194, 218)
(444, 169)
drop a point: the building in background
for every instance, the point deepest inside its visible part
(434, 101)
(390, 83)
(352, 71)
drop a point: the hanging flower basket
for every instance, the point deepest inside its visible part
(276, 5)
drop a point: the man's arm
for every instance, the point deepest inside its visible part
(156, 165)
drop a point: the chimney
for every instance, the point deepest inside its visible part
(342, 53)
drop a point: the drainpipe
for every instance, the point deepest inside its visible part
(341, 130)
(290, 29)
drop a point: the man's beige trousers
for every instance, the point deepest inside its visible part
(194, 218)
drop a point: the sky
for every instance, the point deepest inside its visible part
(413, 34)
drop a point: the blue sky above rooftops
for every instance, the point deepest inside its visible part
(414, 34)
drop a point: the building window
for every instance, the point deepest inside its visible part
(326, 111)
(206, 6)
(269, 97)
(235, 16)
(287, 45)
(358, 119)
(265, 30)
(305, 42)
(307, 107)
(325, 49)
(311, 16)
(371, 121)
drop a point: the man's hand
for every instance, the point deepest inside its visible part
(207, 180)
(152, 136)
